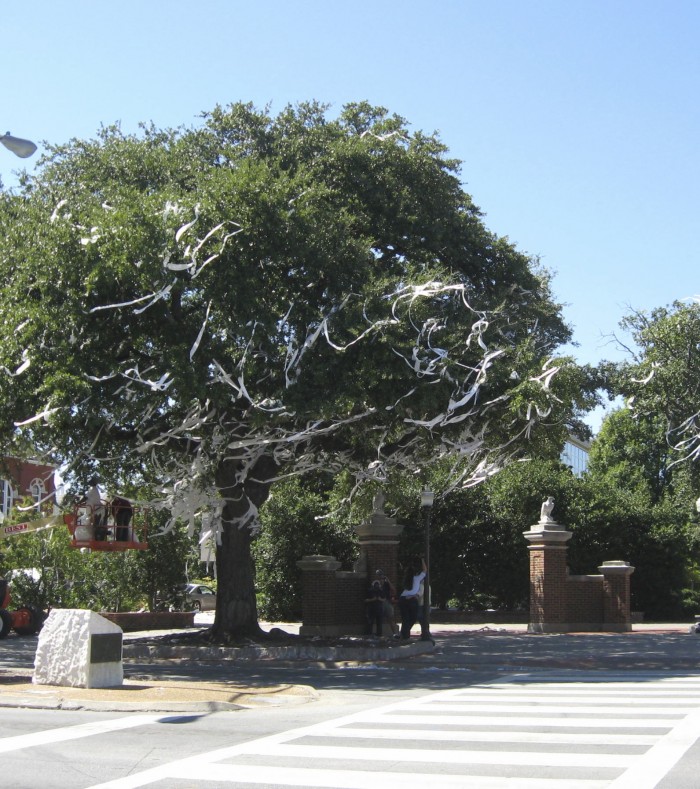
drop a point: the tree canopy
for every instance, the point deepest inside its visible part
(661, 381)
(219, 307)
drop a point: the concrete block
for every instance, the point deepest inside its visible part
(79, 649)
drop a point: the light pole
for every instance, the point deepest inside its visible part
(426, 502)
(18, 146)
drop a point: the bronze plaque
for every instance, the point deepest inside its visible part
(105, 648)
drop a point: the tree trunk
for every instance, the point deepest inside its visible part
(236, 606)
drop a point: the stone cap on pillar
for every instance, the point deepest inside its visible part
(616, 568)
(319, 563)
(380, 525)
(547, 532)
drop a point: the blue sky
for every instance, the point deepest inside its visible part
(577, 122)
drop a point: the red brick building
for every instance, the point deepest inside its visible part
(25, 479)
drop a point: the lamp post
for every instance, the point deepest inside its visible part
(18, 146)
(426, 502)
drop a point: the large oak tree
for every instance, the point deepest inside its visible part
(660, 380)
(215, 308)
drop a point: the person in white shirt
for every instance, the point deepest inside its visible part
(410, 598)
(96, 510)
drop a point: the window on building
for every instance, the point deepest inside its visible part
(575, 455)
(37, 490)
(6, 497)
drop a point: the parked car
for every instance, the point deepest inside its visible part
(200, 597)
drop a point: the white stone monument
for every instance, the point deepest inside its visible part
(79, 649)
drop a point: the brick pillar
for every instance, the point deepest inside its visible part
(617, 615)
(319, 593)
(350, 593)
(379, 545)
(548, 573)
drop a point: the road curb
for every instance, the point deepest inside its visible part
(155, 651)
(169, 696)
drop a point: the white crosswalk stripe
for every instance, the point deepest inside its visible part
(44, 738)
(536, 731)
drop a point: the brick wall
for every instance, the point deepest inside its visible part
(319, 593)
(333, 599)
(350, 589)
(561, 603)
(616, 595)
(382, 556)
(584, 602)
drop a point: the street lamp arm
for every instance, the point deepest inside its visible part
(22, 148)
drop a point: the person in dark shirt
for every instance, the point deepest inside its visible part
(122, 512)
(389, 600)
(374, 608)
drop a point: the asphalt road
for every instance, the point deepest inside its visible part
(555, 729)
(488, 706)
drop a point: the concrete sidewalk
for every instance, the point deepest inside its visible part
(158, 696)
(648, 647)
(667, 647)
(166, 695)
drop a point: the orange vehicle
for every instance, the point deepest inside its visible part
(25, 621)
